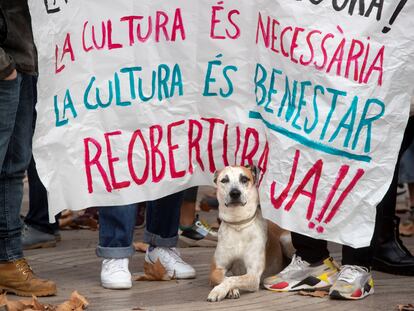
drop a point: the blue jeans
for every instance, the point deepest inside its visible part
(116, 226)
(16, 122)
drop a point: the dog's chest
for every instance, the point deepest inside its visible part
(236, 243)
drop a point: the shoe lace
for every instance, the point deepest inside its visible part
(296, 264)
(24, 267)
(205, 225)
(349, 273)
(116, 265)
(172, 255)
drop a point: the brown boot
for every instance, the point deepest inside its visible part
(16, 277)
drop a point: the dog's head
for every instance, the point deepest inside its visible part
(237, 192)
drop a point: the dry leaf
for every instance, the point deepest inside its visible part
(317, 293)
(36, 305)
(407, 229)
(3, 299)
(85, 219)
(141, 246)
(76, 303)
(409, 307)
(79, 299)
(154, 272)
(18, 305)
(3, 302)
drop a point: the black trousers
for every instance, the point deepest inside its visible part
(38, 215)
(313, 250)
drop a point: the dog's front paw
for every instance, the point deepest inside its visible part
(234, 294)
(217, 294)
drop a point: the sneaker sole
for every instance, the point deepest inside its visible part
(383, 266)
(184, 276)
(307, 288)
(309, 284)
(43, 293)
(125, 285)
(337, 295)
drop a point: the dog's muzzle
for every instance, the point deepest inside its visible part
(234, 198)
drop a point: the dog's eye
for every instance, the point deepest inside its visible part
(244, 179)
(225, 180)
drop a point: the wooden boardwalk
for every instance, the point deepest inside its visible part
(74, 266)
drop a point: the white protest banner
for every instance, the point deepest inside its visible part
(141, 99)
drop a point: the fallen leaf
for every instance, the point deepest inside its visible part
(79, 299)
(154, 272)
(3, 299)
(84, 219)
(317, 293)
(36, 305)
(86, 222)
(3, 302)
(76, 303)
(141, 246)
(18, 305)
(409, 307)
(407, 229)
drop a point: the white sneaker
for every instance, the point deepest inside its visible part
(170, 258)
(115, 274)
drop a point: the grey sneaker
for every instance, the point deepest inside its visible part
(33, 238)
(353, 282)
(301, 275)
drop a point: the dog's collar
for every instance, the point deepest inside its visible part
(242, 222)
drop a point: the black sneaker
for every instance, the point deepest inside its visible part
(199, 234)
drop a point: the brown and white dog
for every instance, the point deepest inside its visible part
(248, 245)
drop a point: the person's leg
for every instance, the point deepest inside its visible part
(357, 256)
(193, 231)
(406, 174)
(12, 168)
(161, 233)
(188, 213)
(38, 215)
(16, 117)
(355, 279)
(311, 267)
(310, 249)
(38, 232)
(116, 231)
(390, 255)
(163, 217)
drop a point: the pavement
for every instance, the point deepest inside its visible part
(74, 266)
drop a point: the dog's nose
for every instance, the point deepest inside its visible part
(235, 193)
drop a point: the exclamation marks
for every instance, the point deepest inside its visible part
(343, 171)
(394, 16)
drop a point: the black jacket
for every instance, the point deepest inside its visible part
(17, 49)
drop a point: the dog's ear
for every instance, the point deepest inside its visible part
(255, 172)
(216, 174)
